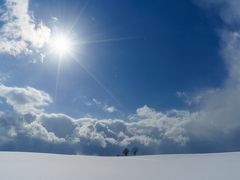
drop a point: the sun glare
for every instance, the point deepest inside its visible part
(61, 45)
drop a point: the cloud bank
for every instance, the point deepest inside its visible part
(26, 128)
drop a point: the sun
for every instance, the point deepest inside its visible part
(61, 45)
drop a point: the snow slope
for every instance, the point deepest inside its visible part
(34, 166)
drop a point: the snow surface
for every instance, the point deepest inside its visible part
(36, 166)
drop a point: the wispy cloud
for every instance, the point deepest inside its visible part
(103, 106)
(20, 33)
(110, 109)
(95, 101)
(227, 9)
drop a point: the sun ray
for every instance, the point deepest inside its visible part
(79, 15)
(57, 83)
(109, 40)
(63, 46)
(98, 82)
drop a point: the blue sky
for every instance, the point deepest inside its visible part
(164, 49)
(161, 75)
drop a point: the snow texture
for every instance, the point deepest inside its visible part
(36, 166)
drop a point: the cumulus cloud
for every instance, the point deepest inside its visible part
(20, 33)
(25, 100)
(26, 128)
(89, 135)
(27, 125)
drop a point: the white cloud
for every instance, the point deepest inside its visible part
(228, 9)
(103, 106)
(95, 101)
(34, 130)
(196, 98)
(19, 32)
(109, 109)
(25, 100)
(150, 130)
(86, 135)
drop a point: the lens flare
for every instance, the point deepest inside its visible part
(61, 45)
